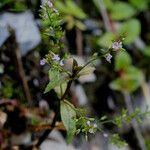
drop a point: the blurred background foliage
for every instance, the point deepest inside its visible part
(90, 26)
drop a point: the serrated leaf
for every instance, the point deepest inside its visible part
(122, 61)
(132, 28)
(68, 116)
(106, 39)
(121, 10)
(56, 79)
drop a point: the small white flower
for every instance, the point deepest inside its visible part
(108, 57)
(95, 125)
(88, 123)
(91, 130)
(61, 63)
(105, 135)
(56, 57)
(42, 62)
(49, 3)
(116, 45)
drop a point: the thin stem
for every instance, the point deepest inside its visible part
(61, 90)
(134, 123)
(104, 14)
(67, 90)
(97, 57)
(48, 131)
(107, 121)
(23, 76)
(79, 41)
(19, 65)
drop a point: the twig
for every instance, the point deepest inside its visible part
(134, 123)
(22, 75)
(104, 14)
(19, 66)
(38, 128)
(79, 41)
(67, 90)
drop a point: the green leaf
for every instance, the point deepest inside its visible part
(56, 79)
(122, 61)
(70, 22)
(60, 89)
(103, 118)
(80, 25)
(70, 8)
(75, 10)
(68, 116)
(121, 10)
(130, 81)
(139, 4)
(116, 140)
(147, 51)
(5, 2)
(132, 28)
(106, 39)
(108, 3)
(86, 70)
